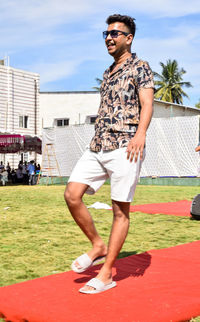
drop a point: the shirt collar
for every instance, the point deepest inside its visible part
(126, 62)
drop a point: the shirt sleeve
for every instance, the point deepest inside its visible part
(144, 76)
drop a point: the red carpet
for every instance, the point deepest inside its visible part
(178, 208)
(156, 286)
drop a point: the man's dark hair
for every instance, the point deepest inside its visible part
(127, 20)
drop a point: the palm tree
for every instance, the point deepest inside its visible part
(198, 104)
(99, 81)
(169, 83)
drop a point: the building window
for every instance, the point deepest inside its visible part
(24, 157)
(23, 121)
(62, 122)
(90, 119)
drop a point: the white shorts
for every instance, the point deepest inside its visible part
(93, 169)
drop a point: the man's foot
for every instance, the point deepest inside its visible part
(83, 262)
(95, 286)
(104, 276)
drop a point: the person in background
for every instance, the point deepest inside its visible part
(38, 168)
(4, 177)
(8, 169)
(13, 176)
(37, 172)
(20, 165)
(1, 166)
(25, 173)
(19, 174)
(31, 172)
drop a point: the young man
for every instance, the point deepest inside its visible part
(116, 150)
(31, 172)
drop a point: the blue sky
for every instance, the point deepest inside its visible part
(62, 40)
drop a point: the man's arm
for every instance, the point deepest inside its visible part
(197, 148)
(136, 144)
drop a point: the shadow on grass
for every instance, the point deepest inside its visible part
(126, 254)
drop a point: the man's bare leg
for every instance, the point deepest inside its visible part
(73, 197)
(117, 238)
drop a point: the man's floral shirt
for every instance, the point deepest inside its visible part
(119, 111)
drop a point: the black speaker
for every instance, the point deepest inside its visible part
(195, 207)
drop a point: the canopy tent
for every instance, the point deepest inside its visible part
(12, 143)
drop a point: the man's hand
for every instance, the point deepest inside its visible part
(136, 147)
(197, 148)
(136, 144)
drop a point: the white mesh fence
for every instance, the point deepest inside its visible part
(69, 144)
(170, 147)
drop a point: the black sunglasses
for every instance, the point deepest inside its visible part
(114, 33)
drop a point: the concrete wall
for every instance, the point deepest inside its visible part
(73, 105)
(78, 105)
(165, 109)
(19, 98)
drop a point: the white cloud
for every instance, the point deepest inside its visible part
(51, 72)
(34, 22)
(157, 8)
(47, 12)
(55, 32)
(182, 44)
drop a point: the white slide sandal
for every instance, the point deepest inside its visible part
(85, 262)
(98, 286)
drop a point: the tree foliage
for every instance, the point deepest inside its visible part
(99, 81)
(170, 82)
(198, 104)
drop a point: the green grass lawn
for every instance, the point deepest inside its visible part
(38, 237)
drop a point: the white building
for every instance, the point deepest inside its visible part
(19, 108)
(69, 108)
(26, 111)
